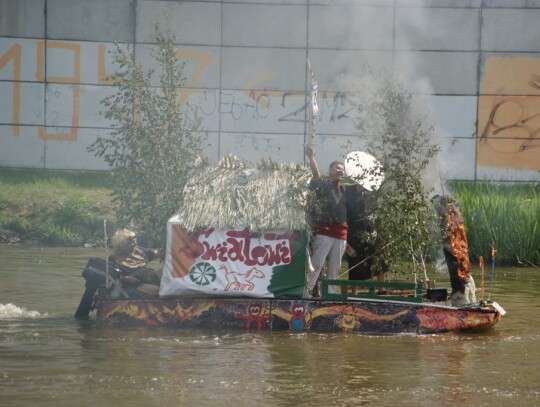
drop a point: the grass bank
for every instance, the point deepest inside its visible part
(68, 209)
(54, 208)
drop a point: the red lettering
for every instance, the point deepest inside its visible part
(240, 246)
(236, 249)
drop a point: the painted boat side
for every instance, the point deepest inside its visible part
(360, 315)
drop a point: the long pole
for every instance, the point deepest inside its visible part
(482, 275)
(107, 284)
(440, 178)
(492, 273)
(312, 102)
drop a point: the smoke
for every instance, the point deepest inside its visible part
(396, 33)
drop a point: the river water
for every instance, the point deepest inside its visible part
(47, 358)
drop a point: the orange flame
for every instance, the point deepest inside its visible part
(458, 241)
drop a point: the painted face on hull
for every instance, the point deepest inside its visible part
(254, 309)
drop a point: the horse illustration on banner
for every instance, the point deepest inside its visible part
(241, 281)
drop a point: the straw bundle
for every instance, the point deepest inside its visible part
(229, 195)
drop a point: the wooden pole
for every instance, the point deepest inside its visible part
(482, 275)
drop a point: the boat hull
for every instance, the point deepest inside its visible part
(359, 315)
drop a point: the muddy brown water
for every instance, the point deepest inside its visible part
(47, 358)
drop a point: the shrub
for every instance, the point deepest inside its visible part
(155, 144)
(391, 130)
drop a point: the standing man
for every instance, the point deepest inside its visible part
(364, 243)
(329, 216)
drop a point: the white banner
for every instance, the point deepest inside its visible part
(234, 262)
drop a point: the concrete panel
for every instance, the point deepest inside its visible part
(64, 155)
(192, 22)
(457, 158)
(339, 70)
(503, 174)
(22, 18)
(441, 3)
(264, 25)
(91, 20)
(254, 147)
(285, 112)
(206, 101)
(22, 103)
(378, 3)
(67, 104)
(75, 105)
(437, 29)
(254, 112)
(63, 62)
(509, 132)
(336, 114)
(452, 116)
(90, 62)
(270, 1)
(453, 73)
(351, 27)
(515, 4)
(23, 151)
(510, 74)
(510, 30)
(268, 68)
(211, 147)
(22, 61)
(201, 64)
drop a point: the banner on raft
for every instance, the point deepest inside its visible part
(236, 262)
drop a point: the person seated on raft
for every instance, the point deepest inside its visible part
(132, 260)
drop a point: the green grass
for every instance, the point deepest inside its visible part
(507, 216)
(54, 208)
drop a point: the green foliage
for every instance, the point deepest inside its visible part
(155, 144)
(56, 235)
(74, 210)
(391, 131)
(506, 216)
(78, 216)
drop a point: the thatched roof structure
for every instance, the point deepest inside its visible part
(230, 195)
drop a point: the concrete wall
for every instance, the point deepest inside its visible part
(474, 65)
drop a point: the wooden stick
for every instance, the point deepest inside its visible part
(440, 178)
(482, 275)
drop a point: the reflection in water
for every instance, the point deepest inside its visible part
(49, 359)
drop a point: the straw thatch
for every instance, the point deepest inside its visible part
(229, 195)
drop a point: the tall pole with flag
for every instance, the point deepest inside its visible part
(314, 108)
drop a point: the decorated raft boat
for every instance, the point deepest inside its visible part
(245, 269)
(366, 313)
(236, 279)
(351, 314)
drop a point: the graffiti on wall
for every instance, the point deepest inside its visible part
(509, 114)
(245, 104)
(508, 132)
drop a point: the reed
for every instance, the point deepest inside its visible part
(506, 216)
